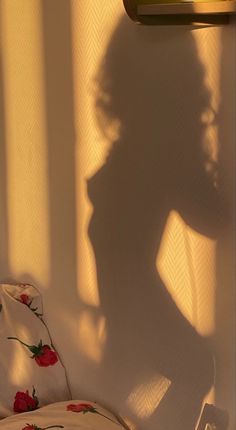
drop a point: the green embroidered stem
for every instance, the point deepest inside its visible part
(53, 427)
(104, 416)
(15, 338)
(36, 350)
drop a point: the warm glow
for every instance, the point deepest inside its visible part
(91, 336)
(211, 61)
(186, 263)
(145, 398)
(25, 137)
(210, 57)
(19, 373)
(91, 33)
(186, 259)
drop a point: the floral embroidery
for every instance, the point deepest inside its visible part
(26, 300)
(81, 407)
(24, 402)
(44, 355)
(34, 427)
(86, 407)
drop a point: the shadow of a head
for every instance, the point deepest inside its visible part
(151, 88)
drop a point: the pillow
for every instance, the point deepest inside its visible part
(79, 414)
(31, 373)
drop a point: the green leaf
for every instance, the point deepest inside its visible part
(35, 350)
(92, 410)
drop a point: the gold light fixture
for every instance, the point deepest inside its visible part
(180, 11)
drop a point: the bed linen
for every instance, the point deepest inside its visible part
(31, 372)
(68, 415)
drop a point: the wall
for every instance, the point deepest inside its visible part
(71, 70)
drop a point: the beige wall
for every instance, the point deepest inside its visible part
(51, 144)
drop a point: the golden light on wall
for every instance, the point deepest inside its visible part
(25, 139)
(211, 60)
(146, 397)
(92, 26)
(91, 336)
(186, 262)
(186, 259)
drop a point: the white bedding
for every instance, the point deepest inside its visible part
(83, 415)
(29, 364)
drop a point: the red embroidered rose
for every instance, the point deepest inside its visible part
(24, 402)
(31, 427)
(44, 355)
(24, 298)
(81, 407)
(86, 407)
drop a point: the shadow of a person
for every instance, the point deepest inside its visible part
(151, 82)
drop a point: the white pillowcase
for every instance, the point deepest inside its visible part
(31, 374)
(89, 416)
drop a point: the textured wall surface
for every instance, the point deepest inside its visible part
(75, 77)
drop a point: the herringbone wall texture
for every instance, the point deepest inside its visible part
(53, 139)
